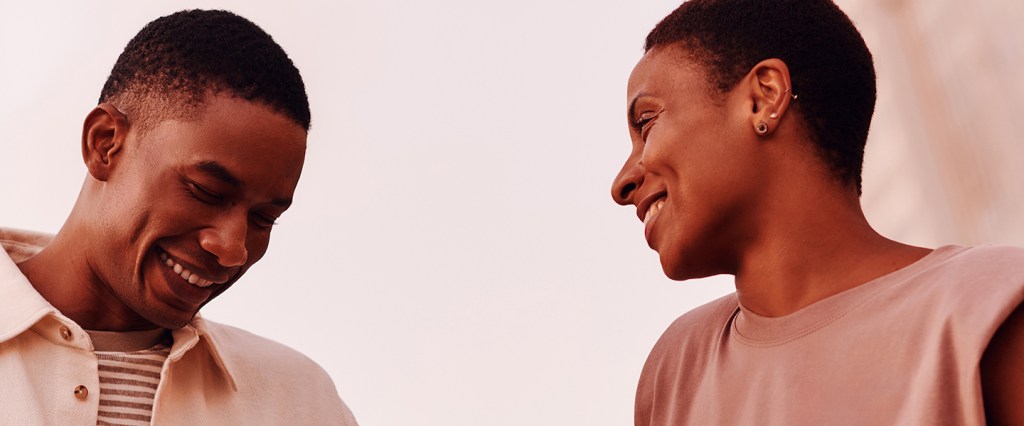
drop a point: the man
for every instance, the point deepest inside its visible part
(748, 122)
(193, 152)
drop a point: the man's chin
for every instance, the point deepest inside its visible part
(169, 301)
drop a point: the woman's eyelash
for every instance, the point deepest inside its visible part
(639, 123)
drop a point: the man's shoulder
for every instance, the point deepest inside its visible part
(21, 244)
(262, 367)
(243, 348)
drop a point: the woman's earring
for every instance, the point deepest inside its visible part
(773, 116)
(761, 128)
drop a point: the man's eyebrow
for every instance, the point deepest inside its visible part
(221, 173)
(218, 171)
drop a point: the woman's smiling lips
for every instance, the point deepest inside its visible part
(648, 209)
(653, 210)
(644, 208)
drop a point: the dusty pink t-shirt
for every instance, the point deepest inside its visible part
(903, 349)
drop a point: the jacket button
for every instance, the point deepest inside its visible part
(65, 332)
(81, 392)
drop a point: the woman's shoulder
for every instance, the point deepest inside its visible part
(972, 273)
(700, 326)
(717, 311)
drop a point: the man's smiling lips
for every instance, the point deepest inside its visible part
(187, 273)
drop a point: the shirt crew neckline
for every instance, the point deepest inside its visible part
(756, 330)
(127, 341)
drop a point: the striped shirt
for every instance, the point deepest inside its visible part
(129, 378)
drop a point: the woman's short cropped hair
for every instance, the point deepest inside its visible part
(831, 69)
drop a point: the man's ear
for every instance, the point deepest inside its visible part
(103, 136)
(770, 91)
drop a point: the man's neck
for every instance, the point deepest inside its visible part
(62, 275)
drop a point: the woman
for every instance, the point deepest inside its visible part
(748, 123)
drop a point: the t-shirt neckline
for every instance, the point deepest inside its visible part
(757, 330)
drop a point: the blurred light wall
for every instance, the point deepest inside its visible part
(945, 159)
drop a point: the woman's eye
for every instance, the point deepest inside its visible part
(639, 123)
(642, 124)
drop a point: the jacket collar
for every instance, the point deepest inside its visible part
(196, 332)
(25, 307)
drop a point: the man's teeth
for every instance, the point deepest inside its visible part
(653, 210)
(183, 272)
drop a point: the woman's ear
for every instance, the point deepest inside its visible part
(770, 91)
(103, 136)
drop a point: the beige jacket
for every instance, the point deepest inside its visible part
(215, 374)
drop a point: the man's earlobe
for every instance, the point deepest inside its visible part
(103, 136)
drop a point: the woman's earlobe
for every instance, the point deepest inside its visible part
(770, 93)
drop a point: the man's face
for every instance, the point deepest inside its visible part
(189, 206)
(692, 172)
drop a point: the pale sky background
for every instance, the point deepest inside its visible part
(453, 256)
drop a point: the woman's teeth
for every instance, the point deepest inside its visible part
(184, 273)
(653, 210)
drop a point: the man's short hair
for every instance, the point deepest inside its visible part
(830, 66)
(175, 62)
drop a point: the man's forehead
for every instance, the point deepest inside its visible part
(238, 143)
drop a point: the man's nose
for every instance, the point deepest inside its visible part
(629, 179)
(226, 240)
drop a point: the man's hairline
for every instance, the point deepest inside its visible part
(189, 110)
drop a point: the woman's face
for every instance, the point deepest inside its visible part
(693, 172)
